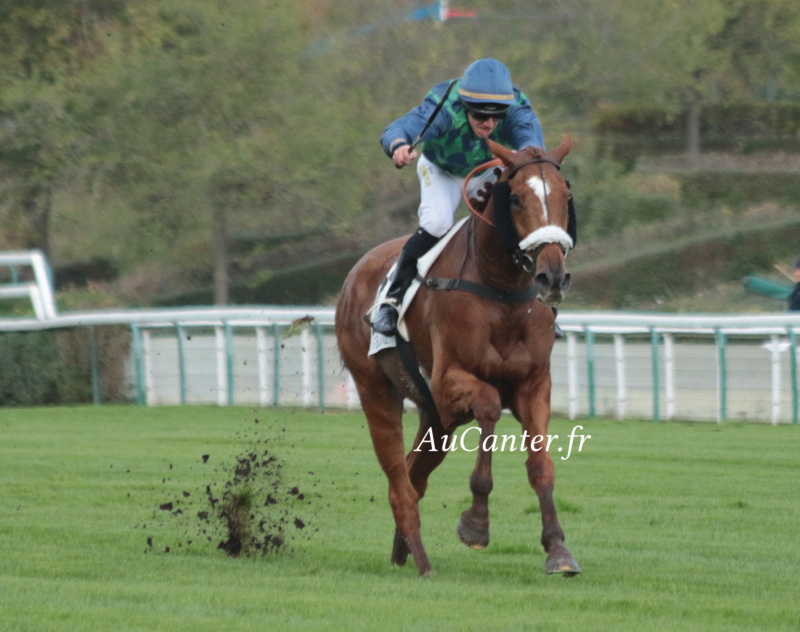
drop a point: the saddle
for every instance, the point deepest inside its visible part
(379, 342)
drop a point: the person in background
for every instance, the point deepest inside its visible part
(794, 297)
(482, 104)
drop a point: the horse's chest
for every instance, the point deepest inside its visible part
(506, 358)
(511, 359)
(503, 345)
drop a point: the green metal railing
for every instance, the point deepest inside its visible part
(593, 382)
(224, 337)
(272, 361)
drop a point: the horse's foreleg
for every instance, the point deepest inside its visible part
(541, 477)
(473, 527)
(534, 412)
(467, 396)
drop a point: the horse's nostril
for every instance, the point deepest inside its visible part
(541, 280)
(566, 282)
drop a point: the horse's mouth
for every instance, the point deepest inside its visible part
(552, 288)
(552, 299)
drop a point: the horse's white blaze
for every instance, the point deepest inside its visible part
(539, 187)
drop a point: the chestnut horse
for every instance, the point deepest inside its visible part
(480, 353)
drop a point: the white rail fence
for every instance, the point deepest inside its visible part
(656, 366)
(39, 290)
(621, 365)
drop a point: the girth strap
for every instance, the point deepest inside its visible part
(411, 364)
(483, 291)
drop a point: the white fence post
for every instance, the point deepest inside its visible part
(572, 374)
(619, 357)
(263, 366)
(775, 354)
(149, 382)
(222, 366)
(669, 377)
(305, 352)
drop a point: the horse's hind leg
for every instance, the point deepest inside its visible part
(422, 459)
(383, 408)
(429, 449)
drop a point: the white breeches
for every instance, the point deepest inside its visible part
(440, 193)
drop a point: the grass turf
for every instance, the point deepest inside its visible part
(676, 527)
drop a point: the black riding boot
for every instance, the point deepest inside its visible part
(385, 319)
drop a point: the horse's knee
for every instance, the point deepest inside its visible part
(540, 470)
(488, 408)
(462, 393)
(485, 404)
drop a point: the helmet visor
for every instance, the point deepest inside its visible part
(483, 111)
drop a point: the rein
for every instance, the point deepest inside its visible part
(487, 165)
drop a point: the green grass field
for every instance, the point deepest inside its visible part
(676, 527)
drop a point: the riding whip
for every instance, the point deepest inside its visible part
(433, 116)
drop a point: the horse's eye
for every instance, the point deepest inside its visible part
(514, 199)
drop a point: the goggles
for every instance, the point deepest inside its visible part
(485, 111)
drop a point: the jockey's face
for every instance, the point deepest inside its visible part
(480, 125)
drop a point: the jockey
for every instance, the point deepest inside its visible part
(482, 104)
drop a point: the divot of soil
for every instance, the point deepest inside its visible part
(248, 508)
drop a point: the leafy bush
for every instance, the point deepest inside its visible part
(777, 120)
(737, 191)
(627, 132)
(608, 200)
(55, 367)
(30, 369)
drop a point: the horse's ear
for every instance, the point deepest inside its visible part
(563, 149)
(503, 153)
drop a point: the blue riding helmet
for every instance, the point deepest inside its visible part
(486, 87)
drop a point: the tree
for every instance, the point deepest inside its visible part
(42, 44)
(187, 128)
(760, 40)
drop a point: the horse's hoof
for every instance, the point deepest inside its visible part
(475, 537)
(563, 563)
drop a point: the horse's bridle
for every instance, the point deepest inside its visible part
(522, 258)
(497, 163)
(538, 160)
